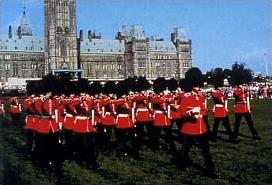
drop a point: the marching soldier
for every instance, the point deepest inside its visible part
(143, 116)
(161, 115)
(220, 113)
(84, 132)
(203, 96)
(97, 119)
(194, 128)
(30, 124)
(15, 109)
(47, 129)
(125, 128)
(69, 122)
(242, 108)
(108, 120)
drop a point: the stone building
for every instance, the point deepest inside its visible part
(130, 53)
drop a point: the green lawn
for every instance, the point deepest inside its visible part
(249, 162)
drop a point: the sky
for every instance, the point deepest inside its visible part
(222, 31)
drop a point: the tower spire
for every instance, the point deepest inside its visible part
(24, 28)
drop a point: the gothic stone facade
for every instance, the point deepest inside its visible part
(131, 53)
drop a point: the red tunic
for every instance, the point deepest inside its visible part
(108, 112)
(242, 104)
(48, 122)
(123, 120)
(69, 119)
(160, 113)
(83, 122)
(143, 112)
(220, 109)
(30, 118)
(195, 126)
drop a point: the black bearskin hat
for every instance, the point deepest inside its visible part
(194, 78)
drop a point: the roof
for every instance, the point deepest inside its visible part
(137, 32)
(162, 46)
(102, 46)
(26, 43)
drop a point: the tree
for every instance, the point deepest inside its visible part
(240, 74)
(194, 77)
(217, 77)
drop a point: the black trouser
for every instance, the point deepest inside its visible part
(225, 122)
(69, 143)
(140, 131)
(106, 137)
(202, 142)
(30, 141)
(168, 138)
(238, 117)
(206, 121)
(47, 147)
(122, 136)
(85, 148)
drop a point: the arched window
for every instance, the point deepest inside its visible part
(63, 48)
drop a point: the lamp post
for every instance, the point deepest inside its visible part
(266, 66)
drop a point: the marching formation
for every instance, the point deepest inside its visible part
(83, 122)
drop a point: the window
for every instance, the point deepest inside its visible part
(34, 66)
(59, 29)
(63, 48)
(7, 57)
(66, 30)
(7, 66)
(24, 66)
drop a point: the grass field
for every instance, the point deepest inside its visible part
(246, 163)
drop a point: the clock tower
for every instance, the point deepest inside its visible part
(60, 35)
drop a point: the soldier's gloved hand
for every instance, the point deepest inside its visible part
(195, 110)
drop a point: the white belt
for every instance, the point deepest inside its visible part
(69, 115)
(219, 105)
(82, 117)
(123, 115)
(142, 109)
(159, 111)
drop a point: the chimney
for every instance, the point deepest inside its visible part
(90, 35)
(81, 35)
(10, 32)
(19, 32)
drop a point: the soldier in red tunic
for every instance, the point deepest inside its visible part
(48, 130)
(220, 113)
(161, 115)
(242, 108)
(69, 122)
(108, 120)
(125, 128)
(15, 109)
(30, 124)
(193, 127)
(143, 116)
(84, 132)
